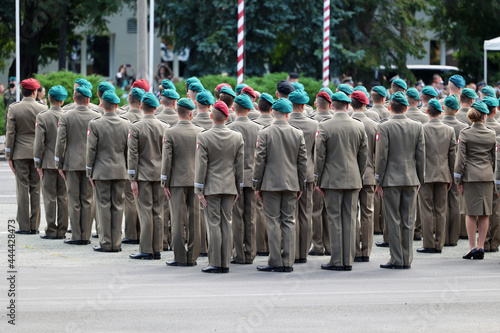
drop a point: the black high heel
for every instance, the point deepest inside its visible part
(479, 254)
(472, 253)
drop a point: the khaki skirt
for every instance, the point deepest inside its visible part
(478, 198)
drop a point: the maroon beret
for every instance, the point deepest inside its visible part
(30, 84)
(360, 96)
(219, 86)
(222, 107)
(325, 95)
(143, 84)
(249, 91)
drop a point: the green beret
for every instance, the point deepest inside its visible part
(298, 97)
(298, 86)
(436, 105)
(452, 102)
(110, 96)
(363, 89)
(469, 93)
(400, 97)
(58, 93)
(345, 88)
(138, 93)
(490, 101)
(192, 79)
(150, 99)
(239, 87)
(196, 86)
(187, 103)
(82, 82)
(380, 90)
(488, 91)
(413, 93)
(267, 97)
(12, 78)
(458, 81)
(341, 97)
(105, 86)
(205, 97)
(170, 93)
(283, 105)
(328, 91)
(401, 83)
(167, 84)
(481, 107)
(84, 90)
(244, 101)
(228, 91)
(429, 91)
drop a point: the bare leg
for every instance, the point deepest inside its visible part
(483, 222)
(470, 224)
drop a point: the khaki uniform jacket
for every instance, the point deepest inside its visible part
(265, 119)
(491, 123)
(179, 150)
(371, 114)
(319, 116)
(462, 115)
(219, 161)
(456, 124)
(145, 148)
(253, 114)
(203, 120)
(45, 138)
(475, 160)
(71, 142)
(169, 116)
(159, 110)
(107, 147)
(91, 106)
(440, 148)
(341, 153)
(415, 114)
(371, 132)
(280, 158)
(497, 164)
(132, 114)
(309, 128)
(20, 134)
(381, 110)
(400, 152)
(249, 130)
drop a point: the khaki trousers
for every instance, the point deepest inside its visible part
(218, 214)
(364, 229)
(418, 220)
(279, 209)
(81, 204)
(452, 229)
(167, 222)
(400, 209)
(303, 218)
(378, 213)
(132, 225)
(28, 194)
(260, 228)
(149, 207)
(341, 208)
(463, 229)
(320, 229)
(185, 219)
(55, 201)
(492, 240)
(433, 202)
(110, 201)
(203, 232)
(244, 248)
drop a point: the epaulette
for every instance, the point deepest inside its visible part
(14, 103)
(383, 120)
(255, 121)
(265, 127)
(191, 123)
(124, 118)
(312, 116)
(359, 119)
(95, 110)
(98, 117)
(42, 112)
(466, 128)
(325, 119)
(136, 121)
(296, 127)
(229, 123)
(204, 130)
(492, 129)
(163, 121)
(41, 103)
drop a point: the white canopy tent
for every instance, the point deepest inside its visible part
(489, 45)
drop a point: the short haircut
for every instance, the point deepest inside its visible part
(226, 98)
(296, 106)
(279, 115)
(99, 93)
(432, 111)
(132, 100)
(465, 99)
(356, 104)
(107, 105)
(281, 95)
(238, 108)
(397, 107)
(396, 88)
(54, 101)
(26, 92)
(167, 101)
(376, 97)
(216, 93)
(448, 110)
(183, 111)
(147, 108)
(338, 105)
(322, 103)
(491, 109)
(218, 116)
(264, 106)
(79, 98)
(425, 98)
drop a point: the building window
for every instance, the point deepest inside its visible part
(131, 26)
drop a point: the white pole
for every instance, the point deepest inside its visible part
(18, 50)
(485, 66)
(151, 42)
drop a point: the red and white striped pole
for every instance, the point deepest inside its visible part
(241, 34)
(326, 43)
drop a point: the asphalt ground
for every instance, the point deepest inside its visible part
(63, 288)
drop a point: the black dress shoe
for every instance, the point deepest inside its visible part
(494, 250)
(85, 242)
(157, 255)
(234, 262)
(382, 244)
(464, 237)
(34, 232)
(176, 263)
(451, 245)
(68, 231)
(328, 253)
(190, 264)
(212, 269)
(415, 238)
(314, 253)
(270, 268)
(479, 254)
(95, 236)
(140, 255)
(347, 268)
(471, 254)
(365, 259)
(203, 255)
(22, 232)
(426, 250)
(287, 269)
(262, 254)
(49, 237)
(225, 269)
(358, 259)
(329, 267)
(130, 241)
(378, 233)
(300, 261)
(100, 249)
(406, 266)
(391, 266)
(73, 242)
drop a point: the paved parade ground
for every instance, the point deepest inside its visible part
(61, 288)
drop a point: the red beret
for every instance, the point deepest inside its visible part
(219, 86)
(143, 84)
(325, 95)
(249, 91)
(222, 107)
(30, 84)
(360, 96)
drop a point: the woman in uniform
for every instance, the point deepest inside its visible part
(474, 175)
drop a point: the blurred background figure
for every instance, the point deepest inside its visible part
(125, 79)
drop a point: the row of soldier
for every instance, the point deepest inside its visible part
(194, 155)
